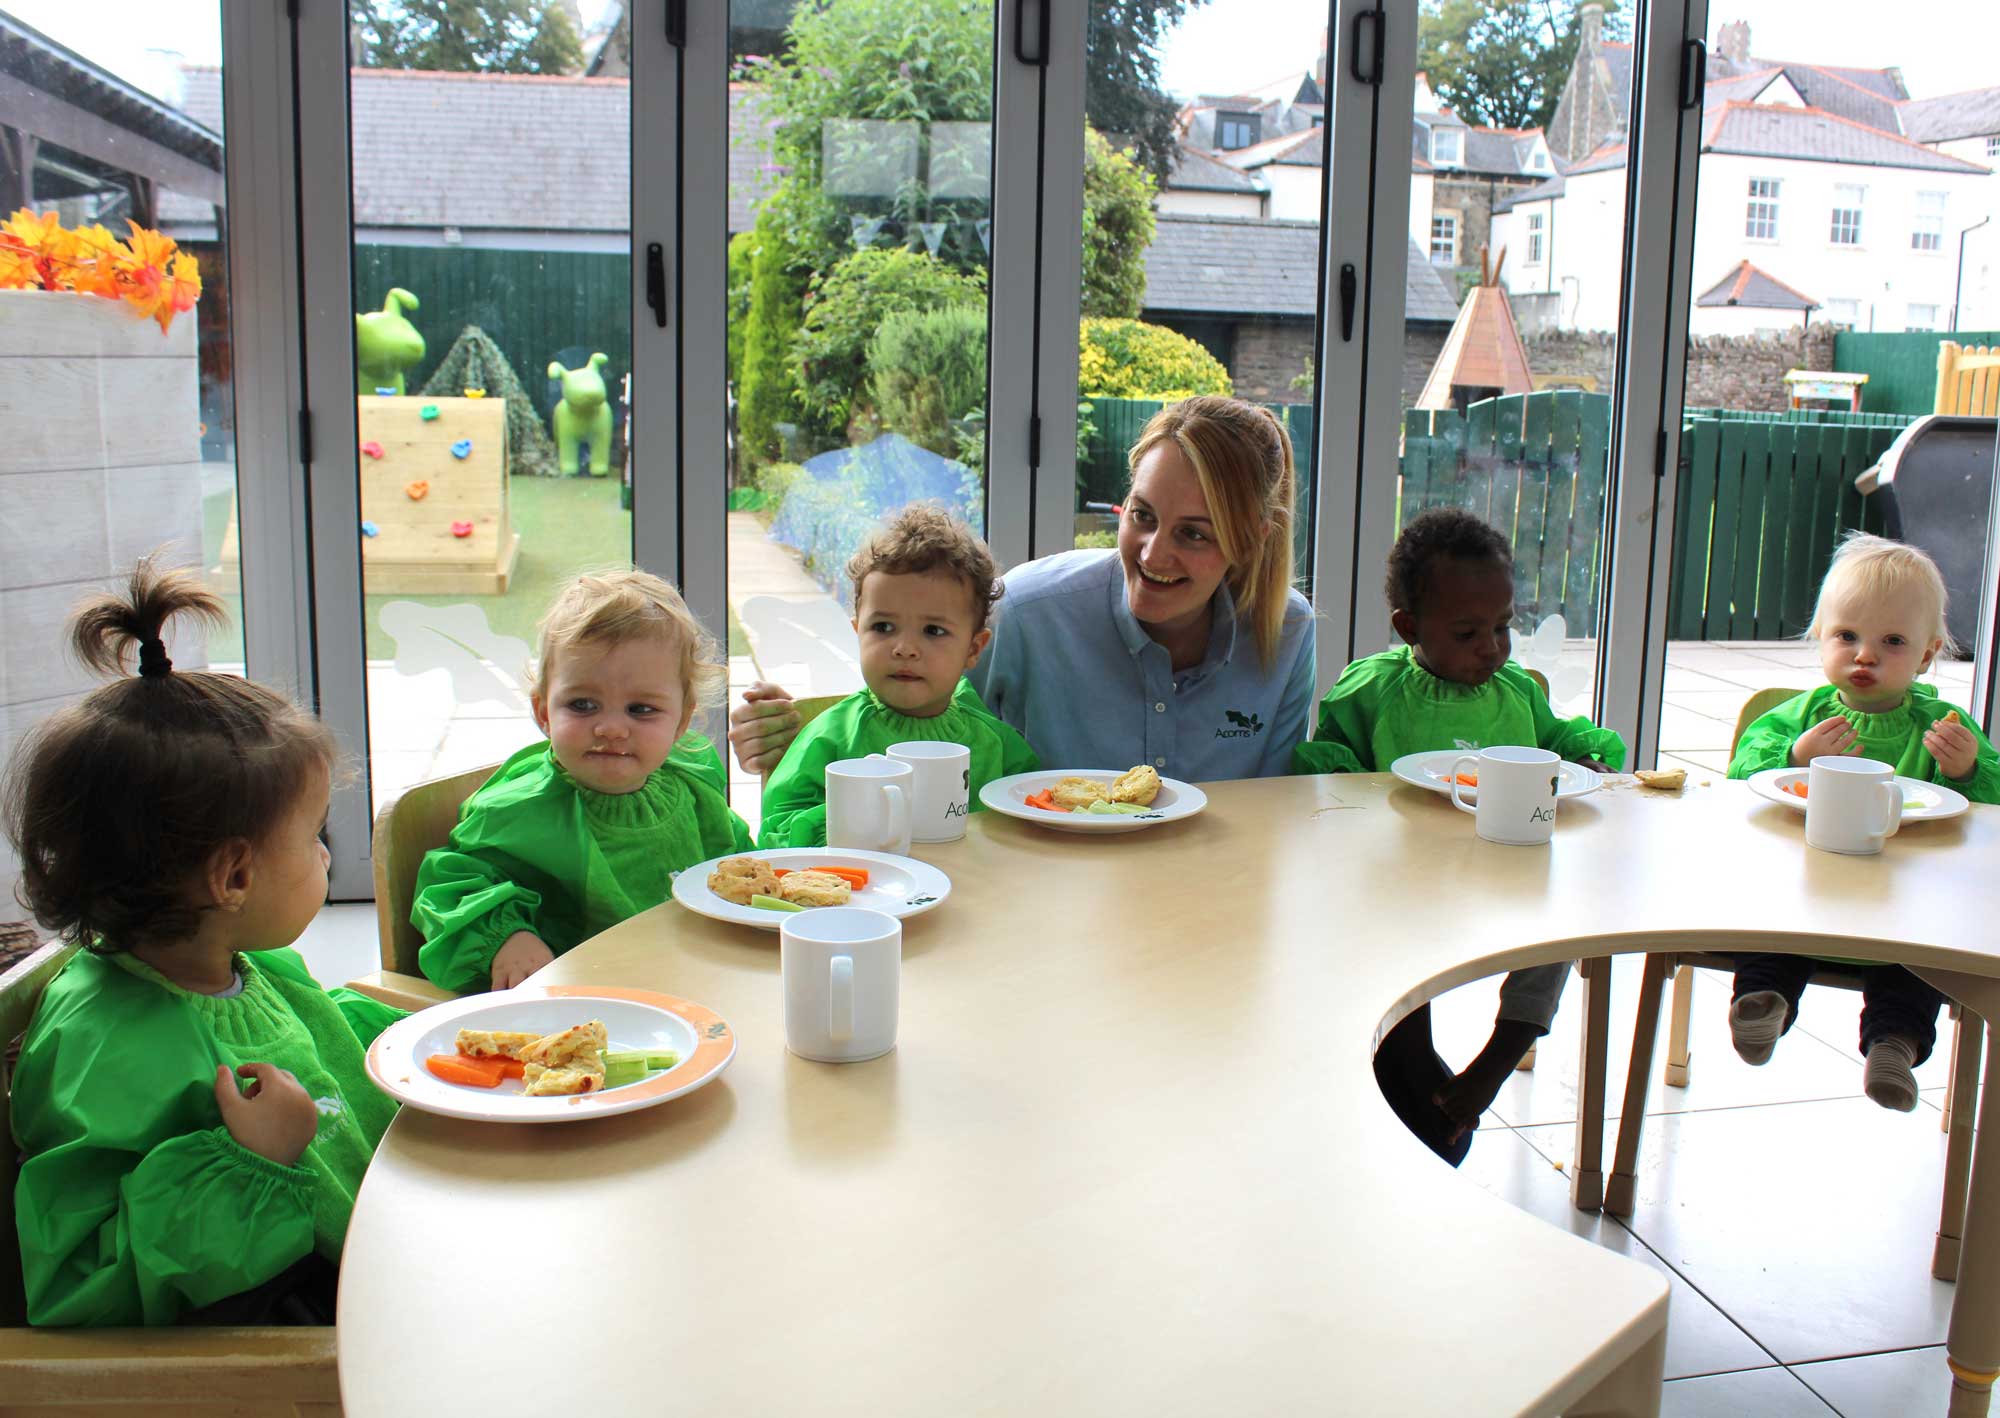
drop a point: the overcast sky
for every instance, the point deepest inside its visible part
(1941, 45)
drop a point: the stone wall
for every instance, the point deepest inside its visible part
(1266, 355)
(1422, 344)
(1723, 371)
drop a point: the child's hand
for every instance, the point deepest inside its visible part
(275, 1120)
(762, 727)
(520, 957)
(1954, 748)
(1831, 735)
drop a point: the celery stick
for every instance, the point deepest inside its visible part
(632, 1065)
(772, 903)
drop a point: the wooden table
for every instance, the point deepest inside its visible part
(1129, 1156)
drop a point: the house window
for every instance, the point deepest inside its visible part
(1237, 130)
(1446, 146)
(1846, 215)
(1444, 241)
(1534, 238)
(1928, 232)
(1540, 161)
(1921, 317)
(1843, 312)
(1760, 218)
(1993, 147)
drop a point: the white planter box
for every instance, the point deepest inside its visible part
(100, 461)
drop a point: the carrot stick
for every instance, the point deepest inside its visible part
(853, 876)
(468, 1071)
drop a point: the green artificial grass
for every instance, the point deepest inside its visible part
(566, 525)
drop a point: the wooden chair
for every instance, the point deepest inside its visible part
(810, 709)
(405, 830)
(1966, 1044)
(1527, 1063)
(1968, 379)
(264, 1372)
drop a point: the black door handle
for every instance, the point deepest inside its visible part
(1040, 58)
(656, 282)
(1375, 50)
(1348, 286)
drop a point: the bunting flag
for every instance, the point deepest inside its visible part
(933, 235)
(866, 229)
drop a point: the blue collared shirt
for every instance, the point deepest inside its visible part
(1075, 672)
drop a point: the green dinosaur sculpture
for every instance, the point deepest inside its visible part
(584, 414)
(386, 344)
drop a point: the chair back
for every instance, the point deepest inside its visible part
(404, 831)
(1968, 379)
(1541, 681)
(20, 991)
(1755, 708)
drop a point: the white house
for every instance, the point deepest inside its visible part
(1967, 125)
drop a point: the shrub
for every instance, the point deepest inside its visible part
(1118, 226)
(927, 369)
(845, 308)
(742, 257)
(1096, 541)
(1129, 359)
(766, 395)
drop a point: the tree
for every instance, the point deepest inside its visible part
(1122, 96)
(1503, 63)
(466, 36)
(1118, 226)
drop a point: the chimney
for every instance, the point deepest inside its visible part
(1319, 69)
(1734, 41)
(1591, 19)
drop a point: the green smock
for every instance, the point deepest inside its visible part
(134, 1204)
(1895, 738)
(534, 850)
(1388, 705)
(861, 724)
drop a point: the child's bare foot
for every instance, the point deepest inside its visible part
(1755, 1022)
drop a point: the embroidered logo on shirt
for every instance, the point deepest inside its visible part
(329, 1107)
(1246, 725)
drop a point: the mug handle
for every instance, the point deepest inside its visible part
(1460, 803)
(899, 812)
(840, 999)
(1895, 807)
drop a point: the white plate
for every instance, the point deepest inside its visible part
(634, 1019)
(1432, 771)
(1176, 800)
(897, 886)
(1922, 802)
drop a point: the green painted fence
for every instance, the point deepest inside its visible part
(1901, 369)
(536, 305)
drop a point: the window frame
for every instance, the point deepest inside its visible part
(1452, 239)
(1921, 215)
(1537, 228)
(1457, 155)
(1253, 123)
(1910, 310)
(1858, 211)
(1761, 208)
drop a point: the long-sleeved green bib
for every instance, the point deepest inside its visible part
(1388, 705)
(536, 851)
(1895, 738)
(861, 724)
(134, 1204)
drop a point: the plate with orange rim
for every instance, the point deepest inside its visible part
(1432, 771)
(1922, 802)
(633, 1019)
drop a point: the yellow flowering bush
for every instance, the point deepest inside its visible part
(1129, 359)
(148, 271)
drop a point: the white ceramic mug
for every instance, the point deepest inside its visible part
(941, 792)
(1853, 805)
(1517, 793)
(868, 804)
(842, 968)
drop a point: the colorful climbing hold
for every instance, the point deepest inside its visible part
(417, 491)
(387, 391)
(369, 529)
(462, 448)
(475, 393)
(428, 412)
(372, 448)
(461, 529)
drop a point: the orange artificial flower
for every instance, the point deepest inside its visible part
(53, 249)
(152, 274)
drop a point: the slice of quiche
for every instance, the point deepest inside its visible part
(571, 1061)
(494, 1043)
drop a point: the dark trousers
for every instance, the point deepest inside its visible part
(302, 1294)
(1894, 1003)
(1409, 1071)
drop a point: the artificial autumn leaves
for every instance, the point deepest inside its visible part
(150, 273)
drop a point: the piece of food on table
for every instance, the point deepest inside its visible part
(633, 1065)
(1043, 801)
(494, 1043)
(1073, 793)
(737, 879)
(1797, 787)
(472, 1072)
(570, 1061)
(1667, 780)
(1116, 810)
(814, 888)
(1136, 785)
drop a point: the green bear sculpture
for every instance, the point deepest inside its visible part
(386, 344)
(584, 414)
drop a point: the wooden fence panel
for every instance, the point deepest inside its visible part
(1530, 538)
(1566, 421)
(1802, 534)
(1586, 524)
(1777, 519)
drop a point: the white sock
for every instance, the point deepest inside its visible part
(1887, 1076)
(1755, 1022)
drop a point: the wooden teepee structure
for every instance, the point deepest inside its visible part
(1483, 355)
